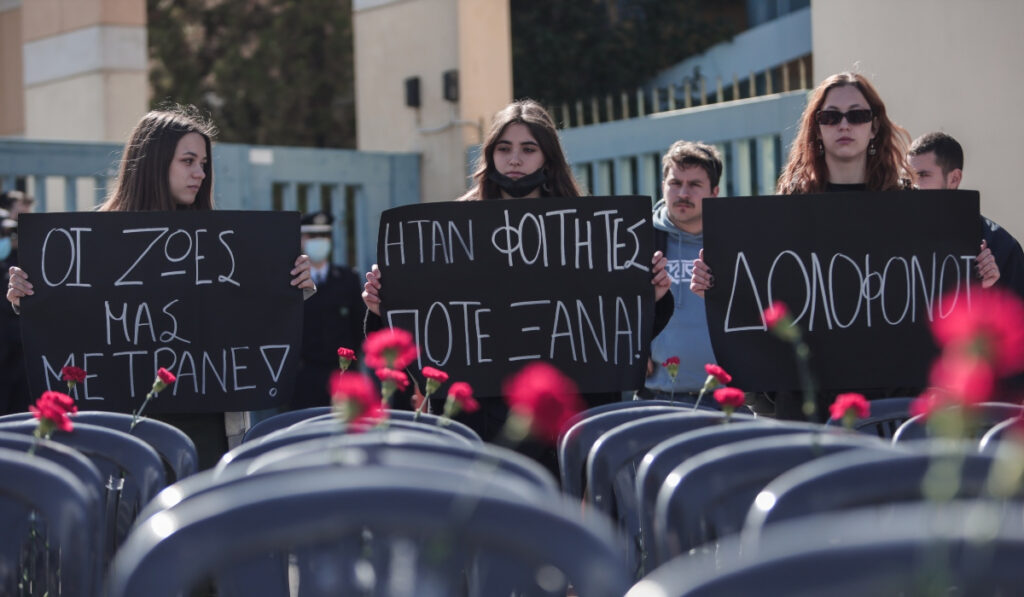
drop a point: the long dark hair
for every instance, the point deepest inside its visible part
(142, 181)
(807, 172)
(561, 182)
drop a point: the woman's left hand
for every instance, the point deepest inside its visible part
(662, 282)
(988, 271)
(300, 273)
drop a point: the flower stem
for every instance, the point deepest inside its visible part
(138, 413)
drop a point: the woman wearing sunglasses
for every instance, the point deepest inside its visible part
(846, 142)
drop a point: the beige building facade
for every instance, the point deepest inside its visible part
(420, 40)
(72, 69)
(941, 65)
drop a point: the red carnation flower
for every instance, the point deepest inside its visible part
(990, 329)
(165, 376)
(398, 378)
(72, 374)
(966, 379)
(850, 402)
(731, 397)
(461, 394)
(671, 361)
(392, 348)
(355, 399)
(545, 397)
(775, 314)
(347, 353)
(435, 374)
(718, 373)
(52, 410)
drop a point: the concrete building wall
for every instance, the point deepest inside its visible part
(398, 39)
(85, 68)
(941, 65)
(12, 99)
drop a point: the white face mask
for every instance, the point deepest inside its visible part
(318, 249)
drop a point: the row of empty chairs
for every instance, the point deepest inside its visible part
(682, 484)
(676, 501)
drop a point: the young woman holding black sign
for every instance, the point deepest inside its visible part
(846, 142)
(167, 165)
(523, 158)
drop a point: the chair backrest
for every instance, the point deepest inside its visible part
(860, 478)
(987, 415)
(887, 414)
(664, 457)
(708, 496)
(307, 509)
(132, 470)
(611, 466)
(575, 442)
(51, 528)
(957, 548)
(403, 448)
(282, 420)
(175, 448)
(408, 415)
(291, 435)
(990, 441)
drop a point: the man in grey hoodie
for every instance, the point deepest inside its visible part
(690, 172)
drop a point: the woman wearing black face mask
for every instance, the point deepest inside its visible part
(522, 158)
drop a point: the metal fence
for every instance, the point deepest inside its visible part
(624, 157)
(354, 186)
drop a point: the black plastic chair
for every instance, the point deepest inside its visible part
(659, 462)
(960, 548)
(408, 415)
(611, 467)
(990, 441)
(987, 414)
(291, 435)
(575, 442)
(438, 531)
(887, 414)
(51, 528)
(707, 497)
(172, 444)
(404, 449)
(282, 420)
(132, 470)
(862, 478)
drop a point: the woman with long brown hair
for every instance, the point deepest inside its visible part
(167, 165)
(522, 157)
(846, 138)
(846, 142)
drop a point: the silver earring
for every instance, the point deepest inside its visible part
(821, 147)
(871, 148)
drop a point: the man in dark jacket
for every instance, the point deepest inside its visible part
(333, 316)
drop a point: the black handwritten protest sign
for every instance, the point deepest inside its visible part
(203, 294)
(488, 286)
(862, 273)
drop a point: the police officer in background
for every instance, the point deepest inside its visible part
(332, 317)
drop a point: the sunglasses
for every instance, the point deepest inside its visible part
(831, 117)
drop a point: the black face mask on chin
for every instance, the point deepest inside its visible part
(518, 187)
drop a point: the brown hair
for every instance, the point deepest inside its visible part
(688, 153)
(561, 182)
(806, 170)
(142, 180)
